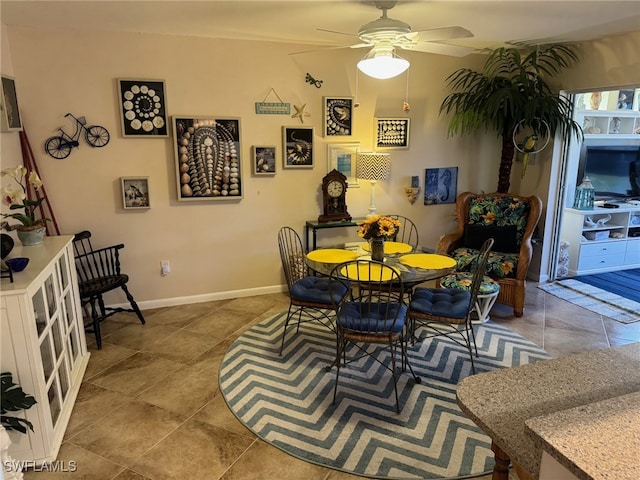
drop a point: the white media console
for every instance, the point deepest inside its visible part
(602, 239)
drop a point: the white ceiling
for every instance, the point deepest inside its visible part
(295, 21)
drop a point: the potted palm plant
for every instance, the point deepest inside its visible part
(13, 399)
(512, 92)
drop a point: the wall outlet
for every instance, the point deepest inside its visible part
(165, 267)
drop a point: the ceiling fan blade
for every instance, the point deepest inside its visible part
(439, 48)
(339, 33)
(359, 45)
(321, 49)
(444, 33)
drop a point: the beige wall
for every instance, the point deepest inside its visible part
(224, 249)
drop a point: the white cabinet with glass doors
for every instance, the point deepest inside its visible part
(43, 343)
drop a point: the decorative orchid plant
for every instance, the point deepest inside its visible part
(16, 198)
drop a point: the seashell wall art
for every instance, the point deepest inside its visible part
(208, 158)
(392, 133)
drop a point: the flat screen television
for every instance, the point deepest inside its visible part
(614, 171)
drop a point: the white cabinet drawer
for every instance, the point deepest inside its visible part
(599, 261)
(633, 252)
(633, 245)
(604, 248)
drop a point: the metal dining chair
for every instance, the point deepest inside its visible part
(407, 232)
(447, 311)
(308, 294)
(373, 313)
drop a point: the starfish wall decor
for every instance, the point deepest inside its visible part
(300, 112)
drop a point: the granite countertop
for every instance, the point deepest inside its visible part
(596, 441)
(501, 401)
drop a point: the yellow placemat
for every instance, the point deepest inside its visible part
(362, 272)
(391, 248)
(427, 261)
(332, 255)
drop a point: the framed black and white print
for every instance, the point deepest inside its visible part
(135, 192)
(10, 113)
(264, 160)
(392, 132)
(143, 108)
(440, 185)
(208, 160)
(297, 147)
(338, 116)
(343, 158)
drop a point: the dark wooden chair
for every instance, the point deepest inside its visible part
(98, 273)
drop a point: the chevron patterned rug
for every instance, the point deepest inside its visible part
(287, 401)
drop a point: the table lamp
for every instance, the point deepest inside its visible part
(373, 166)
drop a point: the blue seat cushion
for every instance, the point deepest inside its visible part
(441, 302)
(316, 290)
(373, 317)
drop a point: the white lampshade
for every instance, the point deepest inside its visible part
(373, 166)
(382, 64)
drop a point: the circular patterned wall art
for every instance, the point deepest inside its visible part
(143, 108)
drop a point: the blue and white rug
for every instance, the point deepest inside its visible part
(287, 401)
(592, 298)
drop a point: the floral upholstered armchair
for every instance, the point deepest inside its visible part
(510, 220)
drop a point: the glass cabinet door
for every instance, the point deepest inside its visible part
(58, 335)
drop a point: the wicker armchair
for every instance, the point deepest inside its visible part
(509, 219)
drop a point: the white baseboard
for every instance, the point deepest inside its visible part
(207, 297)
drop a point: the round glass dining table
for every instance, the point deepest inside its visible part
(414, 266)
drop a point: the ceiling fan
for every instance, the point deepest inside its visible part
(384, 35)
(386, 31)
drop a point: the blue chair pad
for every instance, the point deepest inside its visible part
(316, 290)
(441, 302)
(373, 317)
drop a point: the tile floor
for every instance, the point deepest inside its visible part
(150, 409)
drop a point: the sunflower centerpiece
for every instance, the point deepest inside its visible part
(377, 229)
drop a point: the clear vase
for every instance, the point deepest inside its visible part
(34, 236)
(377, 249)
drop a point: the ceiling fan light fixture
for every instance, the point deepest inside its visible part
(382, 64)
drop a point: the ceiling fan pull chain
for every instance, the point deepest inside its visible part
(405, 105)
(356, 103)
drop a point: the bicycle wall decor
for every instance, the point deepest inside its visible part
(60, 146)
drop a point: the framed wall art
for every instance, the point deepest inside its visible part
(297, 147)
(10, 120)
(343, 157)
(264, 160)
(338, 116)
(208, 160)
(625, 100)
(392, 132)
(440, 185)
(135, 192)
(143, 108)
